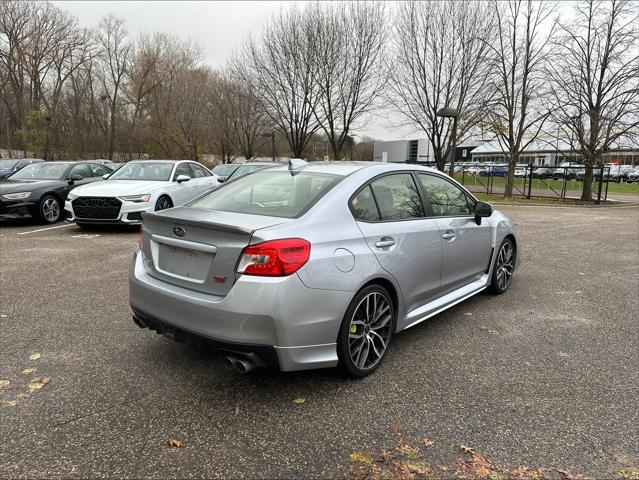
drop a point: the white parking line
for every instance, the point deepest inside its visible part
(48, 228)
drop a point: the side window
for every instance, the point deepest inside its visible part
(445, 198)
(363, 206)
(199, 171)
(182, 169)
(397, 197)
(98, 170)
(81, 169)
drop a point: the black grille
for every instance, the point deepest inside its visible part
(103, 208)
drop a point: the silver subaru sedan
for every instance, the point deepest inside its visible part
(317, 264)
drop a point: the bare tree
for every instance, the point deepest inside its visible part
(595, 74)
(116, 58)
(40, 49)
(143, 77)
(348, 48)
(518, 113)
(440, 54)
(281, 67)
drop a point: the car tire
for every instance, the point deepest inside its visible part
(504, 267)
(374, 326)
(49, 209)
(163, 203)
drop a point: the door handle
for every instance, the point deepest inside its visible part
(385, 242)
(449, 235)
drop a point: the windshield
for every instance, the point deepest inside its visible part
(42, 171)
(244, 169)
(224, 170)
(156, 172)
(7, 163)
(274, 194)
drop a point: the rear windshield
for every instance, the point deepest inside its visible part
(273, 194)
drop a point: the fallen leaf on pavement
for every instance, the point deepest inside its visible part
(361, 457)
(298, 401)
(37, 383)
(4, 384)
(395, 426)
(27, 371)
(34, 356)
(11, 403)
(466, 449)
(418, 467)
(427, 442)
(175, 443)
(237, 410)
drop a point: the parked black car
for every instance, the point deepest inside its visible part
(40, 189)
(542, 172)
(9, 166)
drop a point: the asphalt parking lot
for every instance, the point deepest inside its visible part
(546, 375)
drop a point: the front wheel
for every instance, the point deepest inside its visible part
(50, 210)
(504, 267)
(366, 331)
(163, 203)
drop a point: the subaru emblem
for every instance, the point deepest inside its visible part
(179, 231)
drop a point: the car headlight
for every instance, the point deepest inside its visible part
(71, 196)
(137, 198)
(16, 196)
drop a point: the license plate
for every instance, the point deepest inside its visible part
(183, 262)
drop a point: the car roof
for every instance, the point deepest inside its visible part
(159, 161)
(345, 168)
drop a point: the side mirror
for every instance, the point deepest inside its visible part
(182, 178)
(482, 209)
(105, 176)
(221, 179)
(75, 178)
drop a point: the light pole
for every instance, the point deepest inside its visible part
(272, 135)
(352, 141)
(447, 112)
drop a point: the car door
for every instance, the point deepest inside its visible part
(390, 214)
(466, 245)
(203, 180)
(182, 192)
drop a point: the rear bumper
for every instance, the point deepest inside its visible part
(259, 314)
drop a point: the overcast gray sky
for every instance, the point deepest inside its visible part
(218, 27)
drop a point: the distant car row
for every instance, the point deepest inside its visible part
(101, 192)
(616, 173)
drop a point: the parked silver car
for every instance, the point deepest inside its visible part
(317, 265)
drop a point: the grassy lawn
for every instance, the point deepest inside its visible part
(470, 180)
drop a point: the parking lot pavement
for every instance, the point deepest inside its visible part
(545, 375)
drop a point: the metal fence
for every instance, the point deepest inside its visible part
(533, 181)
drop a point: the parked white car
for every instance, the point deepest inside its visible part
(137, 187)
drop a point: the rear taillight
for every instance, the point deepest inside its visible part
(141, 237)
(275, 258)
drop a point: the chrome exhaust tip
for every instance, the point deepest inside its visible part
(243, 366)
(229, 362)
